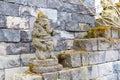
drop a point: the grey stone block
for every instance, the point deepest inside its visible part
(2, 75)
(115, 33)
(105, 69)
(9, 9)
(50, 76)
(65, 75)
(116, 44)
(97, 57)
(75, 73)
(70, 58)
(85, 59)
(85, 44)
(69, 44)
(108, 77)
(26, 36)
(74, 1)
(104, 44)
(19, 48)
(116, 67)
(80, 34)
(90, 3)
(9, 35)
(64, 16)
(2, 21)
(55, 4)
(112, 55)
(10, 61)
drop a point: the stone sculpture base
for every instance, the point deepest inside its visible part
(45, 66)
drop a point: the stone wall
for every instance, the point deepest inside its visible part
(69, 18)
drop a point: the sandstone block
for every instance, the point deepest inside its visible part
(97, 57)
(105, 69)
(46, 69)
(9, 61)
(50, 76)
(104, 44)
(26, 36)
(65, 75)
(2, 75)
(10, 74)
(44, 63)
(112, 55)
(70, 58)
(85, 44)
(9, 35)
(25, 59)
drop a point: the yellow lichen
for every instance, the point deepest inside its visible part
(118, 4)
(41, 14)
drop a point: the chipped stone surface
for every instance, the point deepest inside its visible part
(26, 36)
(50, 76)
(2, 75)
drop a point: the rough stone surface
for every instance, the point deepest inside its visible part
(25, 59)
(115, 33)
(26, 36)
(2, 21)
(2, 75)
(69, 44)
(9, 35)
(9, 61)
(85, 44)
(70, 58)
(109, 77)
(50, 76)
(10, 74)
(85, 59)
(104, 44)
(80, 34)
(47, 69)
(9, 9)
(97, 57)
(105, 69)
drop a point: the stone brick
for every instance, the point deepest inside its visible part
(112, 55)
(75, 73)
(69, 44)
(25, 59)
(9, 61)
(26, 36)
(38, 3)
(2, 21)
(28, 76)
(104, 44)
(9, 9)
(55, 4)
(9, 35)
(74, 1)
(108, 77)
(90, 3)
(116, 67)
(85, 44)
(85, 59)
(115, 33)
(84, 73)
(65, 35)
(51, 13)
(10, 74)
(83, 18)
(67, 7)
(105, 69)
(72, 26)
(17, 22)
(46, 69)
(83, 27)
(50, 76)
(19, 48)
(116, 44)
(80, 34)
(65, 75)
(70, 58)
(2, 75)
(97, 57)
(64, 16)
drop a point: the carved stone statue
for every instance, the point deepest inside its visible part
(42, 37)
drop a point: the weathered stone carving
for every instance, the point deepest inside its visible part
(42, 37)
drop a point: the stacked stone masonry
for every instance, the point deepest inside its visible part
(71, 20)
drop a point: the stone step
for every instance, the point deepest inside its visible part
(94, 44)
(103, 31)
(73, 58)
(104, 71)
